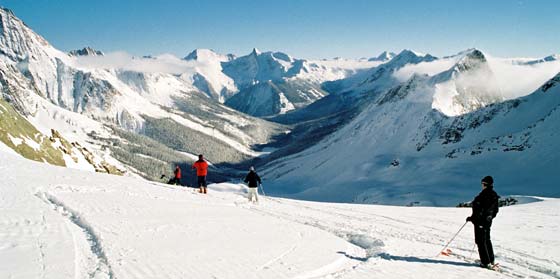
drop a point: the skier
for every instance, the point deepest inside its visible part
(201, 167)
(254, 181)
(484, 209)
(177, 178)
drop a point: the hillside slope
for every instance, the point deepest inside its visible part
(61, 223)
(144, 112)
(402, 149)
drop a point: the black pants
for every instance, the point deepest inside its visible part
(202, 181)
(482, 240)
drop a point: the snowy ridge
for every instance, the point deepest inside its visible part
(85, 52)
(378, 78)
(297, 81)
(384, 56)
(210, 77)
(471, 85)
(398, 148)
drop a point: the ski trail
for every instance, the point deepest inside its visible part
(512, 262)
(40, 246)
(101, 268)
(352, 225)
(356, 253)
(281, 256)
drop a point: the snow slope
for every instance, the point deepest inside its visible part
(62, 223)
(402, 149)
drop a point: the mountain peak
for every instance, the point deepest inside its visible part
(474, 53)
(203, 54)
(410, 57)
(199, 53)
(553, 82)
(384, 56)
(6, 10)
(255, 51)
(472, 59)
(552, 57)
(86, 51)
(17, 40)
(411, 54)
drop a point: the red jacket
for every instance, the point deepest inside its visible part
(178, 173)
(201, 168)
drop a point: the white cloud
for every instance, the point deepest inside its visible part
(519, 80)
(429, 68)
(165, 63)
(513, 80)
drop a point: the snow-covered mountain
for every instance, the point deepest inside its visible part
(377, 79)
(531, 61)
(384, 56)
(101, 99)
(145, 112)
(273, 83)
(413, 144)
(469, 85)
(348, 95)
(267, 83)
(211, 78)
(86, 51)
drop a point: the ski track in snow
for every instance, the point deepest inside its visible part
(40, 246)
(292, 249)
(102, 268)
(349, 228)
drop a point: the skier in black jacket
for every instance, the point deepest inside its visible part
(484, 209)
(254, 181)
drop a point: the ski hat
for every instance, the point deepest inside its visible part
(252, 168)
(488, 180)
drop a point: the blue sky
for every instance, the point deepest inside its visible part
(304, 28)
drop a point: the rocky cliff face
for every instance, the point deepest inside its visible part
(80, 97)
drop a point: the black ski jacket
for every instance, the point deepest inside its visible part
(485, 207)
(253, 179)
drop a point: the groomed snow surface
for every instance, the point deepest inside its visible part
(64, 223)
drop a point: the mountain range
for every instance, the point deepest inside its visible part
(406, 128)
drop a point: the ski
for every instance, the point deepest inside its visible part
(495, 267)
(446, 252)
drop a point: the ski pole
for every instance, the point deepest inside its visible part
(262, 189)
(472, 251)
(445, 247)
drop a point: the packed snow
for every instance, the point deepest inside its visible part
(63, 223)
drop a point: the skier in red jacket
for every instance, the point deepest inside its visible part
(177, 178)
(201, 167)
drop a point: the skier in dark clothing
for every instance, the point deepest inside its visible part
(253, 181)
(484, 209)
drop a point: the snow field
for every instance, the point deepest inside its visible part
(63, 223)
(84, 225)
